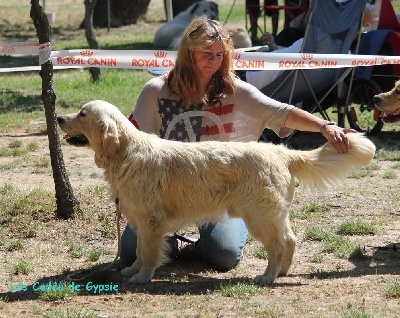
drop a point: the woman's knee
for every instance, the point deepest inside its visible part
(223, 259)
(222, 243)
(128, 246)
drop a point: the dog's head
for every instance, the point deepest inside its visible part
(207, 8)
(389, 104)
(97, 125)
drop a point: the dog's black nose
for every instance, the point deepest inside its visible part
(377, 99)
(60, 119)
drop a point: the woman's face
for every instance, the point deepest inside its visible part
(208, 60)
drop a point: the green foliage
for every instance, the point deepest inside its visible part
(356, 313)
(316, 234)
(365, 171)
(343, 247)
(14, 149)
(309, 209)
(26, 212)
(317, 258)
(117, 86)
(94, 255)
(261, 252)
(108, 228)
(22, 267)
(393, 291)
(15, 245)
(245, 288)
(389, 175)
(76, 251)
(57, 294)
(388, 154)
(356, 227)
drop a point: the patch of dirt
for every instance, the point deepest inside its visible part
(321, 283)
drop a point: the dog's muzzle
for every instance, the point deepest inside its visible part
(388, 118)
(79, 140)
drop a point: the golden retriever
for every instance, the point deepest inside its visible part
(163, 185)
(389, 104)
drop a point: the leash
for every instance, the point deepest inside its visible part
(118, 214)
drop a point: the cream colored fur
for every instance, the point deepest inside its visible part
(163, 185)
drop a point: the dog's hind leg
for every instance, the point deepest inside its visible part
(290, 246)
(278, 240)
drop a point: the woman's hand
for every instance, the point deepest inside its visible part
(304, 121)
(268, 39)
(337, 136)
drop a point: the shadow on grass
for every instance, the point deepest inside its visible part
(180, 277)
(384, 260)
(21, 32)
(175, 278)
(14, 101)
(387, 140)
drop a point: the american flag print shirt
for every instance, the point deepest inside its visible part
(241, 117)
(197, 123)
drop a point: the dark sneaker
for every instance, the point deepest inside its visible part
(181, 245)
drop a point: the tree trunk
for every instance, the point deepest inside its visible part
(90, 37)
(123, 12)
(66, 202)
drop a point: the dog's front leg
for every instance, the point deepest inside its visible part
(137, 264)
(151, 246)
(277, 248)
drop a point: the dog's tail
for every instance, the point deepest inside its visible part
(325, 167)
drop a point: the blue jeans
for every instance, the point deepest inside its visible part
(221, 244)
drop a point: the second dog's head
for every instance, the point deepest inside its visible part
(208, 8)
(389, 104)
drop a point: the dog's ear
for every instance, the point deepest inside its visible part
(110, 139)
(194, 8)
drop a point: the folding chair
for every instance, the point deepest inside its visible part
(332, 29)
(388, 20)
(383, 40)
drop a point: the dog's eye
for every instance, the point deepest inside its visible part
(82, 114)
(397, 91)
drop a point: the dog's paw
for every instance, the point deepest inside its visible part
(139, 280)
(263, 280)
(283, 273)
(128, 272)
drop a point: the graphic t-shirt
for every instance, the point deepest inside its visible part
(241, 117)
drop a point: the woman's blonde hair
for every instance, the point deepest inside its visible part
(184, 78)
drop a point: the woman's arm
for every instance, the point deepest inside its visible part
(305, 121)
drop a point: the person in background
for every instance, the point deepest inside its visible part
(288, 35)
(262, 78)
(200, 99)
(273, 13)
(253, 9)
